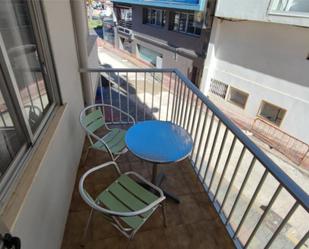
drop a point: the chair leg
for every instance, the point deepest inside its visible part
(164, 214)
(86, 228)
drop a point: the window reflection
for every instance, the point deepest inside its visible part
(20, 43)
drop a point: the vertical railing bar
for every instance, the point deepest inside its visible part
(242, 186)
(178, 100)
(160, 105)
(128, 96)
(201, 137)
(174, 99)
(136, 99)
(182, 104)
(152, 99)
(196, 132)
(206, 143)
(233, 177)
(186, 111)
(218, 158)
(145, 77)
(227, 161)
(212, 150)
(302, 241)
(183, 111)
(119, 97)
(101, 86)
(110, 96)
(256, 192)
(282, 224)
(30, 97)
(194, 115)
(38, 89)
(269, 206)
(168, 98)
(190, 111)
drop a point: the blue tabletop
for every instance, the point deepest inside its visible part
(159, 141)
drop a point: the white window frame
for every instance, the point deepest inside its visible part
(161, 17)
(11, 92)
(228, 97)
(174, 13)
(272, 11)
(267, 120)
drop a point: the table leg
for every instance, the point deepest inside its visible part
(157, 180)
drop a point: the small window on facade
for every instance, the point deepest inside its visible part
(272, 113)
(291, 6)
(190, 23)
(238, 97)
(154, 17)
(218, 88)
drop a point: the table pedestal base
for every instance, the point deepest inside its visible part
(158, 179)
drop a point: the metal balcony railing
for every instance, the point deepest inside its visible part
(259, 204)
(125, 24)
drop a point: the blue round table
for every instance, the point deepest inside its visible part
(159, 142)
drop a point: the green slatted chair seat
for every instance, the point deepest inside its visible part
(115, 141)
(125, 195)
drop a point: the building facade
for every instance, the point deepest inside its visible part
(257, 63)
(171, 34)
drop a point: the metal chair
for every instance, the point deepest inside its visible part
(92, 119)
(126, 203)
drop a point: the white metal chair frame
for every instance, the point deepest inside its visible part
(91, 135)
(95, 205)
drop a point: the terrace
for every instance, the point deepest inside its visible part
(232, 194)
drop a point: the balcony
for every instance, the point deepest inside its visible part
(232, 194)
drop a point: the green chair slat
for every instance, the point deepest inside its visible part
(95, 125)
(115, 141)
(137, 189)
(114, 134)
(127, 198)
(113, 204)
(94, 115)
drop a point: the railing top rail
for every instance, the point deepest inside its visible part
(126, 70)
(289, 184)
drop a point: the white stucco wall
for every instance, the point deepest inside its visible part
(269, 62)
(257, 10)
(42, 217)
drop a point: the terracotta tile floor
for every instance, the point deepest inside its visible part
(191, 224)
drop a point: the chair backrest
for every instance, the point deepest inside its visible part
(93, 120)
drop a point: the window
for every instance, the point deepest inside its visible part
(154, 17)
(148, 55)
(186, 22)
(238, 97)
(218, 88)
(27, 94)
(271, 113)
(291, 6)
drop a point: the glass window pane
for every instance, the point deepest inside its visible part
(182, 22)
(21, 46)
(292, 5)
(191, 24)
(11, 138)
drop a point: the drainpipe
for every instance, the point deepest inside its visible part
(80, 25)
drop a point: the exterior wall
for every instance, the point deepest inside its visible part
(41, 220)
(268, 61)
(256, 11)
(178, 50)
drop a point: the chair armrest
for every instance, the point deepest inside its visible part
(87, 198)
